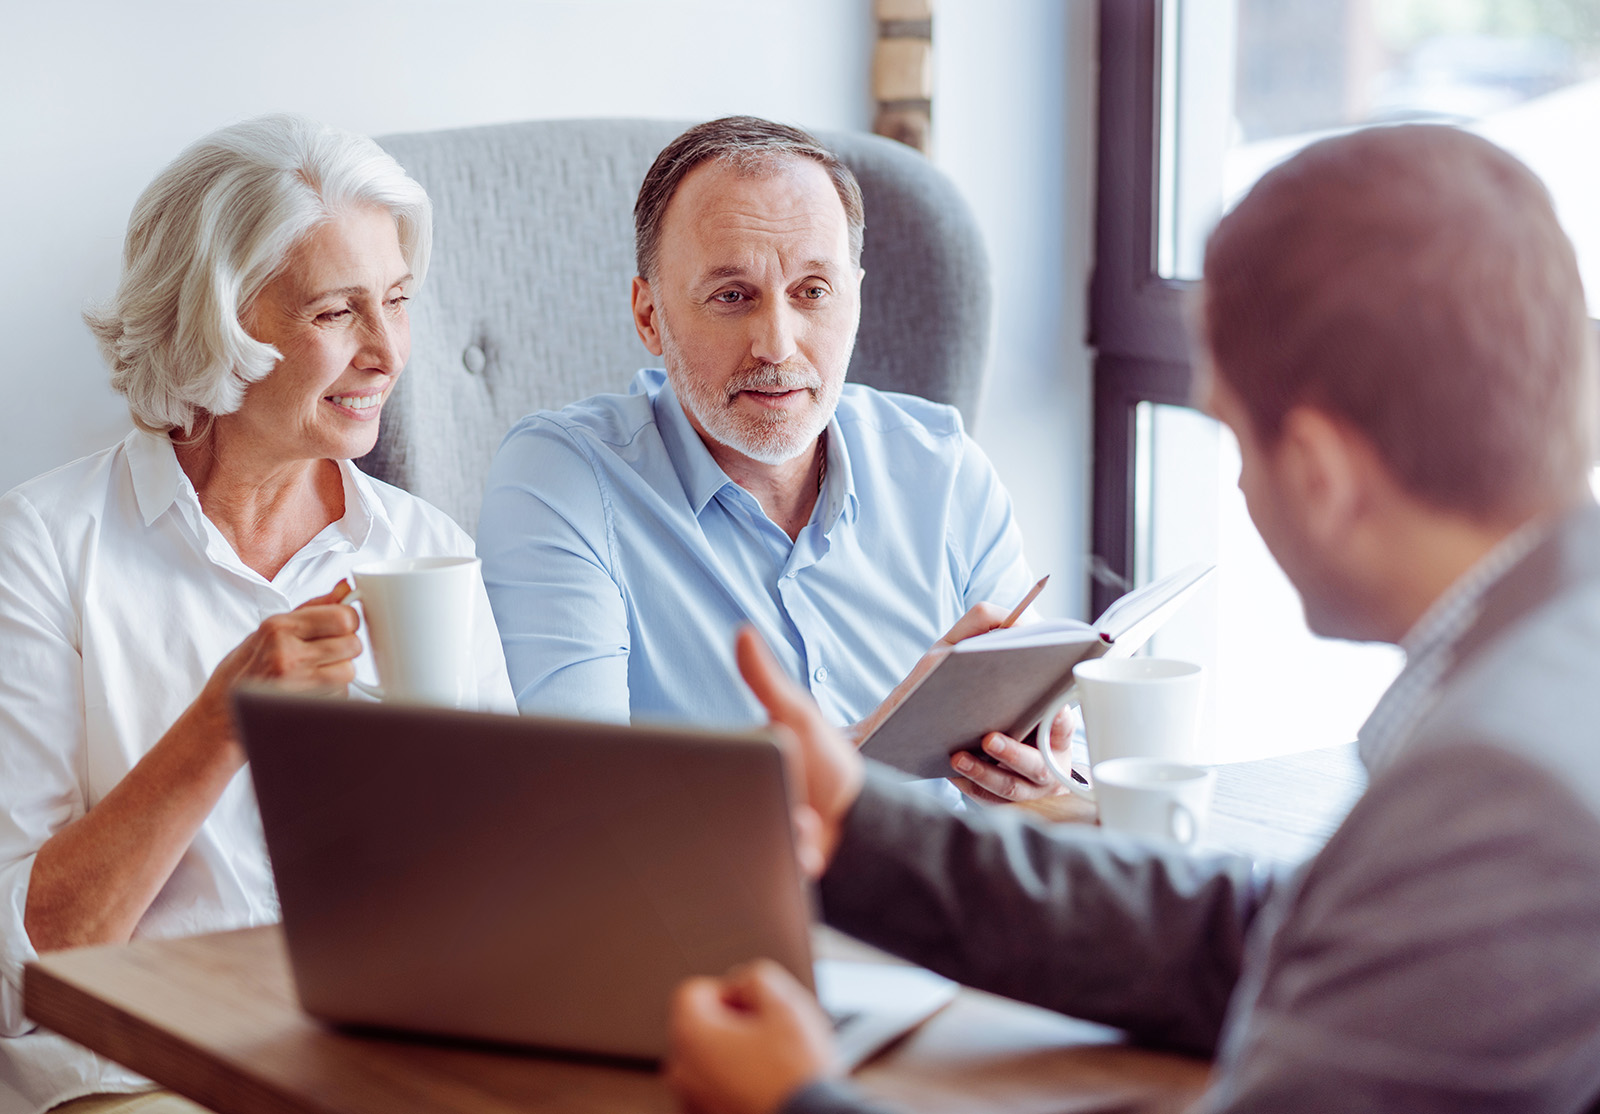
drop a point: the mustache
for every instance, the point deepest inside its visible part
(787, 376)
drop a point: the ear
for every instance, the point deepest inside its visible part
(644, 315)
(1324, 467)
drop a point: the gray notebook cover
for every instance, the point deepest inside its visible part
(967, 696)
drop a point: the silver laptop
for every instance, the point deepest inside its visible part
(537, 881)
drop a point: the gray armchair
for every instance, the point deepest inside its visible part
(526, 302)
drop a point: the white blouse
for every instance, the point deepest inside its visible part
(118, 598)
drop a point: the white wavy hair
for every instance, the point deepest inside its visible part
(210, 233)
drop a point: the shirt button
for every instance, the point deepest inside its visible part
(820, 674)
(790, 575)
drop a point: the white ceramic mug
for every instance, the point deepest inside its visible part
(1134, 708)
(1155, 798)
(419, 614)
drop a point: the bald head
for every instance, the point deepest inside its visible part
(1414, 283)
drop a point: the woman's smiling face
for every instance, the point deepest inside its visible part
(337, 315)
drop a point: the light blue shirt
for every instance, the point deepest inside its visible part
(620, 559)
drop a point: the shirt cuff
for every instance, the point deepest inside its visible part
(831, 1096)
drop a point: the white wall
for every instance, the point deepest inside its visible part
(95, 97)
(1014, 125)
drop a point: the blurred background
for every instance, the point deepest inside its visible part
(1242, 85)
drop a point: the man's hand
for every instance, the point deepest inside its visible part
(1022, 774)
(826, 770)
(979, 619)
(744, 1043)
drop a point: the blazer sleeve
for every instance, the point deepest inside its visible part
(1103, 928)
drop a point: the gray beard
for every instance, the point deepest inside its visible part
(772, 438)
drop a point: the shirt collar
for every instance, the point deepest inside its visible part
(153, 464)
(159, 482)
(1449, 616)
(1430, 647)
(702, 477)
(839, 486)
(364, 512)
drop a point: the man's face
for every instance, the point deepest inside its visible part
(754, 305)
(1276, 505)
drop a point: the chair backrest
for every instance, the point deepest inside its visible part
(526, 303)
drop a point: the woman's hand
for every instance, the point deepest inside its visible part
(310, 649)
(94, 879)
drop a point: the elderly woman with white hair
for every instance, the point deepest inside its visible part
(258, 328)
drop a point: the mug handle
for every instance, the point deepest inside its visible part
(353, 597)
(1182, 824)
(1078, 784)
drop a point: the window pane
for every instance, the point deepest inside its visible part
(1246, 83)
(1275, 687)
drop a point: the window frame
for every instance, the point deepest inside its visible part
(1137, 321)
(1137, 318)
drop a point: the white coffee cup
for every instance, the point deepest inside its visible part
(1155, 798)
(1134, 708)
(419, 613)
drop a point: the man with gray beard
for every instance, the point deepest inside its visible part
(1393, 324)
(626, 537)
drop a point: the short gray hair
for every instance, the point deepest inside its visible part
(205, 238)
(751, 145)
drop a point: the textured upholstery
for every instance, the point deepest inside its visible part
(526, 302)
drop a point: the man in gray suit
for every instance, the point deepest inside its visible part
(1394, 327)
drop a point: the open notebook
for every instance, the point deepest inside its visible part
(1009, 679)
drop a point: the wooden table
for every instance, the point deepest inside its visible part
(215, 1017)
(1282, 809)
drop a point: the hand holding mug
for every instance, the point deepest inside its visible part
(310, 649)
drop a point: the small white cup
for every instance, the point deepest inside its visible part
(419, 614)
(1155, 798)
